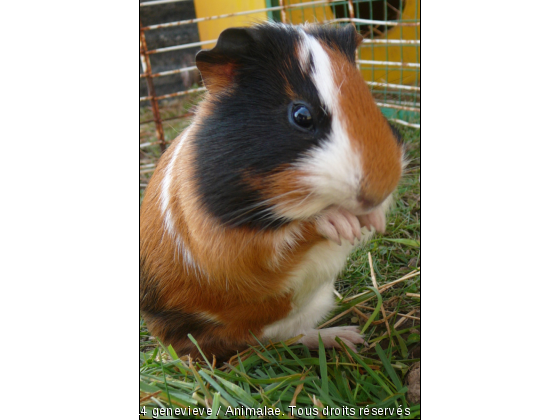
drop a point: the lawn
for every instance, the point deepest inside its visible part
(263, 382)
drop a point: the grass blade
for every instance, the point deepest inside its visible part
(376, 311)
(199, 350)
(323, 366)
(387, 365)
(404, 241)
(218, 388)
(215, 406)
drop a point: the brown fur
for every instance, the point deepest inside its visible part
(238, 287)
(381, 154)
(284, 188)
(216, 77)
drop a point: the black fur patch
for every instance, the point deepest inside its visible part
(249, 134)
(178, 325)
(396, 133)
(175, 324)
(343, 39)
(149, 291)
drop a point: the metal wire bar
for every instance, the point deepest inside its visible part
(147, 68)
(184, 92)
(187, 115)
(170, 72)
(389, 63)
(402, 108)
(394, 86)
(392, 41)
(401, 102)
(373, 22)
(405, 123)
(282, 11)
(181, 47)
(351, 12)
(172, 95)
(154, 3)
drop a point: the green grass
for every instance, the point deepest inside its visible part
(279, 375)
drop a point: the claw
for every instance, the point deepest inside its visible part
(339, 223)
(375, 219)
(349, 334)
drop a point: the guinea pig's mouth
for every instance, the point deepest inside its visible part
(360, 207)
(369, 212)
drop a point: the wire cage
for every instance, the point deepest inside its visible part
(172, 31)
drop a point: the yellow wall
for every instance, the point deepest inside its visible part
(308, 14)
(398, 53)
(211, 29)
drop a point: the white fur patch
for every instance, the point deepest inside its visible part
(322, 73)
(334, 169)
(304, 51)
(312, 284)
(209, 317)
(284, 243)
(165, 208)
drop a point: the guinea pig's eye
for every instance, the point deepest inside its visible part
(302, 116)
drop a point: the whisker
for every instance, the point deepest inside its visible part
(263, 203)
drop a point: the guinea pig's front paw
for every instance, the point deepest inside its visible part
(375, 219)
(349, 334)
(337, 224)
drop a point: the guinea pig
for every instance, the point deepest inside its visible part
(254, 208)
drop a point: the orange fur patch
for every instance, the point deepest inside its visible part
(216, 76)
(234, 281)
(283, 189)
(368, 130)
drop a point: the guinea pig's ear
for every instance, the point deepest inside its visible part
(351, 40)
(218, 65)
